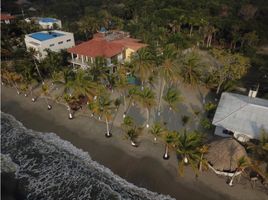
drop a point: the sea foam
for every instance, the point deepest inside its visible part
(55, 169)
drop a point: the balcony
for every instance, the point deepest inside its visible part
(78, 61)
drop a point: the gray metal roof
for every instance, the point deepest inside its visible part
(241, 113)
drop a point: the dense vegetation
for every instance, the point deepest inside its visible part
(236, 26)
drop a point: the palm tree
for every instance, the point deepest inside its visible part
(11, 78)
(45, 92)
(81, 84)
(103, 107)
(167, 71)
(242, 163)
(146, 99)
(32, 53)
(188, 145)
(88, 25)
(142, 62)
(172, 97)
(203, 162)
(190, 68)
(170, 138)
(131, 129)
(122, 85)
(157, 130)
(62, 78)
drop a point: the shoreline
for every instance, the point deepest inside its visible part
(136, 165)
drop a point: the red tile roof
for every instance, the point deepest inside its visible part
(100, 47)
(6, 17)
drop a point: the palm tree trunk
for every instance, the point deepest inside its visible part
(147, 117)
(107, 125)
(219, 87)
(48, 105)
(200, 163)
(16, 87)
(163, 82)
(38, 71)
(191, 30)
(232, 179)
(108, 134)
(125, 103)
(166, 155)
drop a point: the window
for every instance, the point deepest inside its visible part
(69, 40)
(60, 42)
(51, 45)
(227, 132)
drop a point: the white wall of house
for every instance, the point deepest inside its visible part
(242, 137)
(219, 131)
(55, 44)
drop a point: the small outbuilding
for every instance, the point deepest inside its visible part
(224, 154)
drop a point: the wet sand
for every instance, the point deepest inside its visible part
(142, 166)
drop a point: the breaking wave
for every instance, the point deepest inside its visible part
(54, 169)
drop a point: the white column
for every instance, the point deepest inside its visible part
(82, 59)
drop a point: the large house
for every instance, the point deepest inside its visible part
(241, 116)
(113, 46)
(53, 40)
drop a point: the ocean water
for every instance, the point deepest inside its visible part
(52, 168)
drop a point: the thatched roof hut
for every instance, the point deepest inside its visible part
(224, 154)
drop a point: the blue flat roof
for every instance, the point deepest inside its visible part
(41, 36)
(48, 20)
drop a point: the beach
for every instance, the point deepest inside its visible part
(142, 166)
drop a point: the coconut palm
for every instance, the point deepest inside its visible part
(15, 79)
(32, 54)
(103, 107)
(146, 99)
(131, 129)
(203, 162)
(172, 97)
(122, 85)
(188, 145)
(167, 71)
(133, 96)
(157, 130)
(170, 139)
(88, 25)
(61, 79)
(190, 68)
(81, 84)
(142, 62)
(45, 93)
(242, 163)
(10, 78)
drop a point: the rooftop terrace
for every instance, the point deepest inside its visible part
(42, 36)
(48, 20)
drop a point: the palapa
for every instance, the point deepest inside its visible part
(224, 154)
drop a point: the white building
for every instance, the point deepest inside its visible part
(47, 23)
(53, 40)
(241, 116)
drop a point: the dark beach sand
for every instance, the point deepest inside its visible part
(142, 170)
